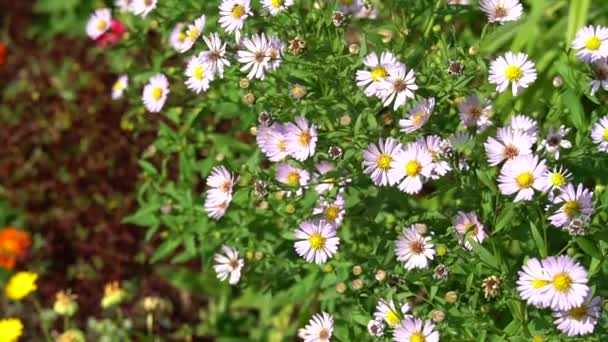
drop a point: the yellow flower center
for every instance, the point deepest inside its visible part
(378, 73)
(193, 33)
(101, 24)
(417, 337)
(417, 118)
(413, 168)
(571, 208)
(317, 241)
(513, 73)
(471, 227)
(538, 283)
(276, 3)
(117, 86)
(332, 212)
(157, 93)
(593, 43)
(181, 37)
(605, 136)
(384, 161)
(281, 145)
(199, 73)
(293, 178)
(346, 2)
(525, 180)
(237, 11)
(304, 138)
(562, 282)
(392, 319)
(557, 179)
(578, 313)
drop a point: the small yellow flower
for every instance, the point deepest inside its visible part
(20, 285)
(72, 335)
(65, 303)
(10, 329)
(113, 295)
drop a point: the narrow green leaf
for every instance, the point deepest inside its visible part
(588, 247)
(538, 240)
(484, 254)
(505, 217)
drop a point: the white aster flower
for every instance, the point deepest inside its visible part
(459, 2)
(524, 124)
(418, 116)
(591, 43)
(522, 175)
(377, 160)
(555, 179)
(323, 168)
(331, 211)
(474, 114)
(215, 57)
(508, 144)
(397, 86)
(120, 86)
(125, 5)
(532, 282)
(378, 70)
(233, 14)
(317, 241)
(256, 56)
(301, 139)
(414, 249)
(436, 146)
(350, 6)
(555, 141)
(216, 205)
(155, 93)
(177, 38)
(199, 75)
(271, 140)
(414, 329)
(387, 312)
(412, 166)
(574, 203)
(275, 7)
(221, 182)
(567, 287)
(193, 32)
(513, 69)
(468, 225)
(293, 177)
(275, 52)
(143, 7)
(580, 320)
(600, 76)
(319, 329)
(501, 11)
(228, 265)
(99, 23)
(599, 134)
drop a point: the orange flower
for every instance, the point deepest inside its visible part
(13, 245)
(2, 53)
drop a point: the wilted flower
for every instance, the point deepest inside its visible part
(455, 68)
(65, 303)
(297, 91)
(113, 295)
(441, 272)
(338, 18)
(491, 286)
(71, 335)
(296, 46)
(375, 328)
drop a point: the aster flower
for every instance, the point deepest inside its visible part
(580, 320)
(600, 75)
(513, 69)
(532, 282)
(412, 166)
(215, 57)
(555, 140)
(199, 74)
(397, 86)
(143, 7)
(599, 134)
(501, 11)
(331, 211)
(522, 175)
(301, 139)
(275, 7)
(414, 329)
(125, 5)
(567, 287)
(418, 116)
(591, 43)
(467, 224)
(228, 265)
(155, 93)
(292, 176)
(271, 140)
(508, 144)
(275, 52)
(256, 56)
(371, 79)
(193, 32)
(575, 203)
(349, 6)
(414, 249)
(377, 160)
(524, 124)
(120, 86)
(555, 179)
(386, 311)
(177, 37)
(317, 241)
(99, 23)
(216, 206)
(437, 147)
(474, 114)
(323, 168)
(233, 14)
(319, 329)
(221, 182)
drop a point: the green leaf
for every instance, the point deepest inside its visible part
(485, 255)
(577, 17)
(588, 247)
(484, 177)
(505, 217)
(165, 248)
(538, 240)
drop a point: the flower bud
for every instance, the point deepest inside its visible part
(244, 83)
(249, 99)
(357, 284)
(113, 295)
(65, 304)
(340, 287)
(354, 49)
(451, 297)
(438, 316)
(380, 275)
(357, 270)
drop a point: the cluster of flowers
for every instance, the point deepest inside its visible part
(19, 286)
(105, 30)
(560, 283)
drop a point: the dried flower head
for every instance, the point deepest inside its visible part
(455, 68)
(296, 46)
(441, 272)
(297, 91)
(491, 286)
(339, 18)
(335, 152)
(265, 118)
(65, 303)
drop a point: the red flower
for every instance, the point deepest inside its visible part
(13, 245)
(112, 36)
(2, 53)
